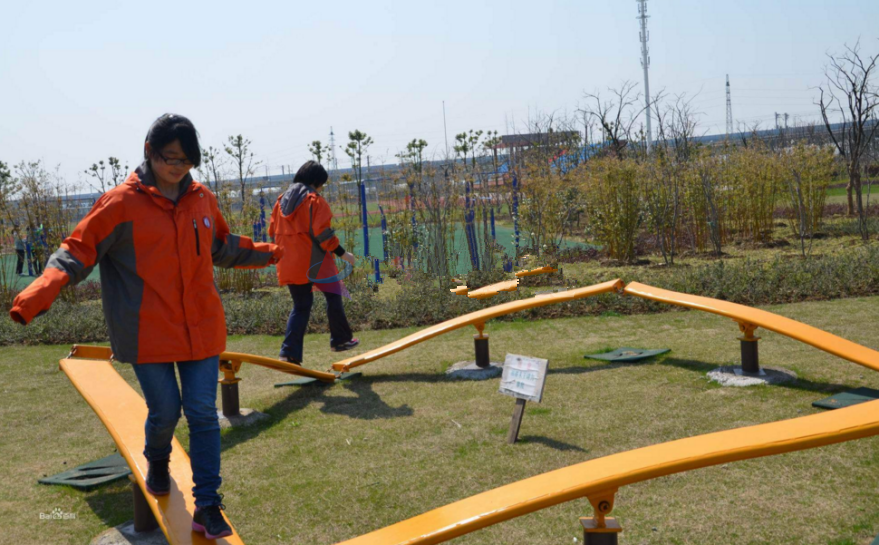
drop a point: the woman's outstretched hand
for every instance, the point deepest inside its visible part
(349, 257)
(277, 254)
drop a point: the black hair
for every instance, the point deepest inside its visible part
(311, 173)
(170, 127)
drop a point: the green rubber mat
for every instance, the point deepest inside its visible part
(847, 399)
(92, 474)
(625, 355)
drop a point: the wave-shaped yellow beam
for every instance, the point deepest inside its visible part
(605, 475)
(745, 315)
(477, 318)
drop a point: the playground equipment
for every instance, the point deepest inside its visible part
(507, 285)
(230, 364)
(460, 290)
(123, 412)
(749, 319)
(476, 319)
(600, 479)
(493, 289)
(539, 270)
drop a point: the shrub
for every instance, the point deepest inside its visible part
(421, 302)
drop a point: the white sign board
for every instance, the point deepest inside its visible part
(524, 377)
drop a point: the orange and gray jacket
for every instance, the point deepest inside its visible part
(300, 224)
(156, 260)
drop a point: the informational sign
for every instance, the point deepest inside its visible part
(524, 377)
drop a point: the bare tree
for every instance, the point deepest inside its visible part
(238, 149)
(9, 187)
(676, 126)
(748, 132)
(211, 167)
(617, 116)
(850, 95)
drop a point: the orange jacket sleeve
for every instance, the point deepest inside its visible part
(321, 220)
(237, 252)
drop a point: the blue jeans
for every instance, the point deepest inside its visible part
(297, 322)
(199, 401)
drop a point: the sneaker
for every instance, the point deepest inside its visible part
(158, 481)
(346, 346)
(210, 522)
(288, 360)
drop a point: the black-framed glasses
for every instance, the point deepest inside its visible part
(174, 162)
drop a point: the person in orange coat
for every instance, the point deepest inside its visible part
(301, 225)
(157, 238)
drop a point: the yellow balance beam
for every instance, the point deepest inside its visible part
(773, 322)
(460, 290)
(603, 476)
(492, 289)
(104, 353)
(278, 365)
(476, 318)
(124, 412)
(539, 270)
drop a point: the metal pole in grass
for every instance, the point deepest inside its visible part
(363, 217)
(262, 215)
(475, 238)
(516, 213)
(412, 208)
(384, 233)
(468, 231)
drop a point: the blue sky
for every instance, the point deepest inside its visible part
(80, 81)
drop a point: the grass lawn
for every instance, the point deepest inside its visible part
(838, 195)
(335, 462)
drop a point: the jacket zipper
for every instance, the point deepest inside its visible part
(197, 244)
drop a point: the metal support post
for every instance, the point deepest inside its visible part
(229, 388)
(144, 520)
(750, 354)
(483, 361)
(601, 530)
(482, 357)
(231, 405)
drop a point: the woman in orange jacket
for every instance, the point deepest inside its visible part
(300, 224)
(156, 238)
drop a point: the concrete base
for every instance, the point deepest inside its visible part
(468, 370)
(733, 376)
(245, 418)
(124, 534)
(740, 372)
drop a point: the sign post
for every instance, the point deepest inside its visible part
(523, 378)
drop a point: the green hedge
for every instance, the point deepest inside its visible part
(852, 273)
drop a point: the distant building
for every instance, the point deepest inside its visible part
(513, 145)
